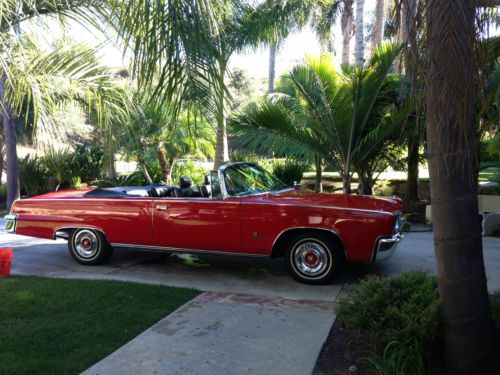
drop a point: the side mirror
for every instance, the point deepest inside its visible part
(215, 185)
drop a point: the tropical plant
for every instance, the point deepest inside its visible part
(33, 175)
(189, 169)
(344, 116)
(61, 164)
(89, 161)
(15, 59)
(156, 127)
(289, 171)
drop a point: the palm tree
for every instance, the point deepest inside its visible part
(13, 63)
(359, 47)
(170, 132)
(378, 27)
(38, 81)
(347, 29)
(451, 134)
(322, 14)
(341, 116)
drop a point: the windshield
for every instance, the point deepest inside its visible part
(247, 179)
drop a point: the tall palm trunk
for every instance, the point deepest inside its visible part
(346, 24)
(413, 156)
(272, 66)
(318, 185)
(451, 74)
(365, 182)
(359, 48)
(161, 154)
(221, 148)
(410, 64)
(378, 27)
(9, 129)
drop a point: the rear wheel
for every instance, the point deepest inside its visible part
(313, 258)
(89, 247)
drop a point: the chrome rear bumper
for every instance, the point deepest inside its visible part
(10, 226)
(385, 247)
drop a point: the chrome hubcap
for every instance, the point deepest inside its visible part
(86, 244)
(310, 258)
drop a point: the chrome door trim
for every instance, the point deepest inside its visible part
(182, 250)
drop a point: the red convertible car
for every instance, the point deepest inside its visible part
(240, 210)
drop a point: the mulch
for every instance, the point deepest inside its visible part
(343, 354)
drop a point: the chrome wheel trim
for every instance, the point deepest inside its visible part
(86, 244)
(311, 258)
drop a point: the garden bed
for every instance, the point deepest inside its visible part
(60, 326)
(390, 326)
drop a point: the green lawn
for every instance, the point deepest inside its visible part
(58, 326)
(490, 174)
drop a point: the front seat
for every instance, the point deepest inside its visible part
(185, 186)
(206, 188)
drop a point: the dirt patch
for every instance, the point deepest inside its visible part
(343, 353)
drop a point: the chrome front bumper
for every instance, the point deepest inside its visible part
(385, 247)
(10, 226)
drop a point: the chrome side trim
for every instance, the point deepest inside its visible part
(311, 228)
(10, 226)
(318, 206)
(59, 232)
(390, 244)
(180, 250)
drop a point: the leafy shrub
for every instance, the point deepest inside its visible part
(393, 309)
(189, 169)
(154, 171)
(88, 162)
(289, 171)
(33, 175)
(62, 166)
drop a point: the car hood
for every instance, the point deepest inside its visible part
(309, 198)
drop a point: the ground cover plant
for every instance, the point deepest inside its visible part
(59, 326)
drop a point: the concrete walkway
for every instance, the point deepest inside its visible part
(220, 333)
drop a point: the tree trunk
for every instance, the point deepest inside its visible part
(346, 24)
(359, 48)
(9, 129)
(412, 184)
(318, 184)
(346, 183)
(378, 27)
(272, 66)
(221, 148)
(451, 93)
(162, 160)
(144, 170)
(365, 183)
(171, 163)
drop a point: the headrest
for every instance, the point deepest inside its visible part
(206, 181)
(185, 183)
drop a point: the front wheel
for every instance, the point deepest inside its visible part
(89, 247)
(313, 258)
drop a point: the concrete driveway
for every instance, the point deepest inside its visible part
(262, 277)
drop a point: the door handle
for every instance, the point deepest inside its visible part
(161, 208)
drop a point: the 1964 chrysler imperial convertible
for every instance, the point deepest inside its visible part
(240, 210)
